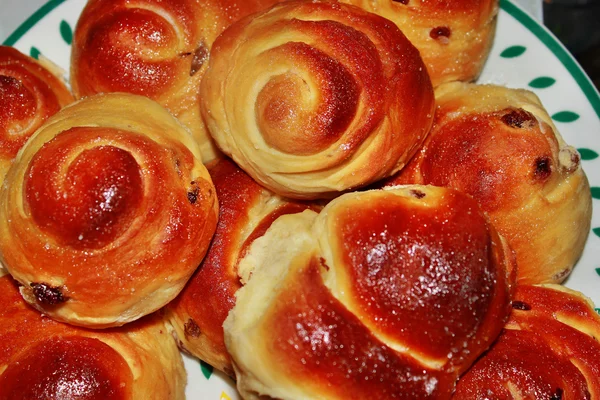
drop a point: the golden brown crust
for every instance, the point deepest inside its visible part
(384, 294)
(41, 358)
(500, 146)
(454, 37)
(549, 350)
(313, 98)
(30, 95)
(246, 210)
(106, 212)
(153, 48)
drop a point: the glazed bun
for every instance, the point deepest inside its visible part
(153, 48)
(314, 98)
(384, 294)
(548, 350)
(29, 94)
(454, 37)
(500, 146)
(106, 212)
(44, 359)
(246, 210)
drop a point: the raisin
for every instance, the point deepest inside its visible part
(200, 57)
(191, 328)
(417, 193)
(440, 32)
(543, 168)
(518, 118)
(520, 305)
(48, 295)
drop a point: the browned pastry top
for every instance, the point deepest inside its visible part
(549, 350)
(500, 146)
(29, 94)
(153, 48)
(313, 98)
(454, 37)
(384, 294)
(107, 211)
(246, 210)
(44, 359)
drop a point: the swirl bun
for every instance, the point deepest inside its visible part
(29, 94)
(548, 350)
(313, 98)
(246, 210)
(385, 294)
(500, 146)
(153, 48)
(107, 211)
(44, 359)
(454, 37)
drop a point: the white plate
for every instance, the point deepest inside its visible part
(525, 55)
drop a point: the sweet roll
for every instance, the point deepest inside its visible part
(154, 48)
(387, 294)
(106, 212)
(246, 211)
(454, 37)
(548, 350)
(44, 359)
(29, 94)
(500, 146)
(313, 98)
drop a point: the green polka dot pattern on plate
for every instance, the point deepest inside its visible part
(513, 51)
(66, 32)
(34, 52)
(542, 82)
(587, 154)
(565, 116)
(597, 233)
(595, 192)
(207, 369)
(597, 310)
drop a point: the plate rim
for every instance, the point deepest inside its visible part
(538, 29)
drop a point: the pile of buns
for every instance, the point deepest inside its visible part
(310, 196)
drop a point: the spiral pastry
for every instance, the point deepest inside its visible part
(44, 359)
(246, 210)
(387, 294)
(500, 146)
(454, 37)
(106, 212)
(153, 48)
(548, 350)
(312, 98)
(29, 94)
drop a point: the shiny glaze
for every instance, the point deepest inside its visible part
(92, 215)
(67, 368)
(319, 343)
(47, 359)
(498, 145)
(87, 206)
(154, 48)
(405, 259)
(29, 94)
(100, 216)
(549, 349)
(203, 305)
(318, 86)
(278, 103)
(453, 37)
(487, 158)
(416, 285)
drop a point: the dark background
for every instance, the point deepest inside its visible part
(577, 24)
